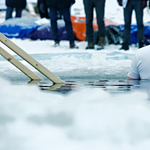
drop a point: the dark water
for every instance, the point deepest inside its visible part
(112, 86)
(73, 84)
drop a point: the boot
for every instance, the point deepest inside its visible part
(72, 46)
(141, 44)
(125, 46)
(101, 43)
(56, 44)
(90, 45)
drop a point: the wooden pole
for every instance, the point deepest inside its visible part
(30, 59)
(19, 65)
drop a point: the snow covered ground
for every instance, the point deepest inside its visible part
(86, 118)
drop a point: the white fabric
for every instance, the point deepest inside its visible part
(140, 66)
(124, 3)
(2, 4)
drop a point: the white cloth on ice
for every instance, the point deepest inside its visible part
(125, 3)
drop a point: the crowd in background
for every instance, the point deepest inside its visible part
(55, 9)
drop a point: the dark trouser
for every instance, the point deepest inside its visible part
(9, 12)
(137, 6)
(89, 6)
(65, 12)
(44, 15)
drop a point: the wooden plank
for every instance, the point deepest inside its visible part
(30, 59)
(19, 65)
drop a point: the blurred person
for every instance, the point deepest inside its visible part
(18, 5)
(139, 68)
(89, 6)
(128, 7)
(64, 8)
(43, 10)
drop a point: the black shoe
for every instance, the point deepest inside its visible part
(56, 44)
(124, 48)
(73, 46)
(90, 45)
(101, 43)
(141, 44)
(99, 47)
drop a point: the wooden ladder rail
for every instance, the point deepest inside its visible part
(19, 65)
(30, 60)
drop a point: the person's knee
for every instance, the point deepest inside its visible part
(53, 18)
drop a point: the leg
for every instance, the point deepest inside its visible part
(100, 10)
(18, 12)
(66, 15)
(127, 28)
(88, 8)
(53, 20)
(139, 19)
(9, 12)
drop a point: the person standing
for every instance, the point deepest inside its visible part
(128, 7)
(18, 5)
(63, 6)
(89, 6)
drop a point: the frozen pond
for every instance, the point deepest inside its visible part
(73, 64)
(78, 68)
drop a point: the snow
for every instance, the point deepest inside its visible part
(86, 117)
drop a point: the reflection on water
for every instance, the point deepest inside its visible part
(112, 86)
